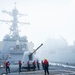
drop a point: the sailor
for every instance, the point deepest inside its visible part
(28, 66)
(34, 65)
(42, 64)
(46, 65)
(38, 65)
(7, 66)
(20, 66)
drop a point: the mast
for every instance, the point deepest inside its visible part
(14, 31)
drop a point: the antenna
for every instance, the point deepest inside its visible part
(14, 31)
(15, 4)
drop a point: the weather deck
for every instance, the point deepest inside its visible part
(54, 70)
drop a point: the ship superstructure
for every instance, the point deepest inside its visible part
(13, 44)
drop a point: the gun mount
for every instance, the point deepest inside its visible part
(29, 57)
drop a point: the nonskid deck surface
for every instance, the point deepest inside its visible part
(53, 70)
(42, 73)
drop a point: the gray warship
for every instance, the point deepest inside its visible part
(13, 45)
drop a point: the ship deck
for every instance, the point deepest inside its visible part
(53, 70)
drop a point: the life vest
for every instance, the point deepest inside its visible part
(34, 63)
(7, 63)
(20, 63)
(45, 62)
(28, 63)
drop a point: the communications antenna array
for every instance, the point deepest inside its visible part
(14, 31)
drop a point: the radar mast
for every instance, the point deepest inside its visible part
(14, 31)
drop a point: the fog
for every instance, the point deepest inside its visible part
(57, 50)
(47, 18)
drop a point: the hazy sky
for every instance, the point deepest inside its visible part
(47, 18)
